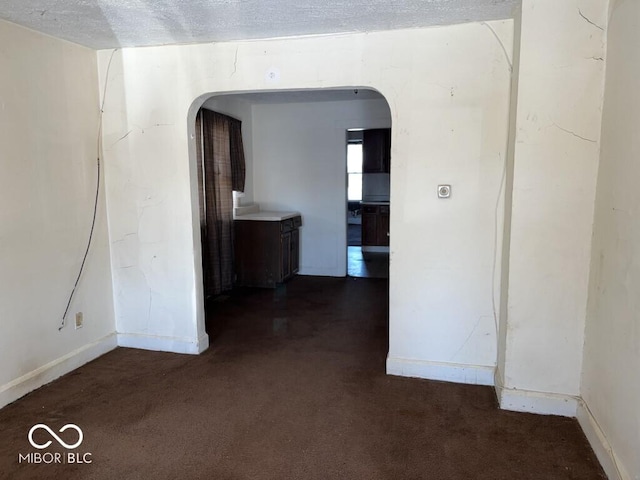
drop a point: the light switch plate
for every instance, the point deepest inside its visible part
(444, 191)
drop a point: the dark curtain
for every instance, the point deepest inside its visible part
(238, 169)
(221, 169)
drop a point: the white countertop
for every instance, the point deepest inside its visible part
(267, 216)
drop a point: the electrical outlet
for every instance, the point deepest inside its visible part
(79, 320)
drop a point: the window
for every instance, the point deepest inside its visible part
(354, 171)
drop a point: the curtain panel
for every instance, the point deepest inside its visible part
(221, 169)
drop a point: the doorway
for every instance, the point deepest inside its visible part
(368, 205)
(294, 143)
(354, 188)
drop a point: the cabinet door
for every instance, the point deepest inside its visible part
(376, 150)
(295, 251)
(383, 227)
(369, 225)
(257, 253)
(285, 256)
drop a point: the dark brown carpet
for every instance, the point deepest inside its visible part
(292, 387)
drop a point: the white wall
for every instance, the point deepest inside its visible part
(450, 127)
(556, 153)
(300, 164)
(448, 91)
(611, 373)
(49, 114)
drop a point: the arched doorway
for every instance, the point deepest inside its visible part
(296, 160)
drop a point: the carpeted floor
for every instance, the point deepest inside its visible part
(293, 387)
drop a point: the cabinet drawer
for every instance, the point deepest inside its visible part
(384, 209)
(290, 224)
(286, 225)
(369, 209)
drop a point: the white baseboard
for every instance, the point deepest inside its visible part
(322, 272)
(601, 446)
(164, 344)
(447, 372)
(542, 403)
(19, 387)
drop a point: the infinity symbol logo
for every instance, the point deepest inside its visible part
(52, 433)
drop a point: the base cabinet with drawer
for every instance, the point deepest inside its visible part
(266, 253)
(375, 225)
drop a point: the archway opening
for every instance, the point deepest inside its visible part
(295, 145)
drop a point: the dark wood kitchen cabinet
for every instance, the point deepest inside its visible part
(375, 225)
(376, 150)
(266, 253)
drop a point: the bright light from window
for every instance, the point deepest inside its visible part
(354, 170)
(355, 187)
(354, 158)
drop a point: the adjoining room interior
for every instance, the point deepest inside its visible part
(503, 343)
(368, 194)
(293, 168)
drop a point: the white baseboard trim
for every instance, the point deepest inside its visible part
(447, 372)
(610, 462)
(35, 379)
(498, 382)
(542, 403)
(322, 272)
(164, 344)
(203, 342)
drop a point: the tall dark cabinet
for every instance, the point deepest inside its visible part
(376, 150)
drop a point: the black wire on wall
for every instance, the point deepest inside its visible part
(95, 203)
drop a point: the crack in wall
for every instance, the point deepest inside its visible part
(473, 330)
(123, 137)
(235, 63)
(123, 237)
(142, 130)
(589, 21)
(574, 134)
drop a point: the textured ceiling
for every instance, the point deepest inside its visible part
(129, 23)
